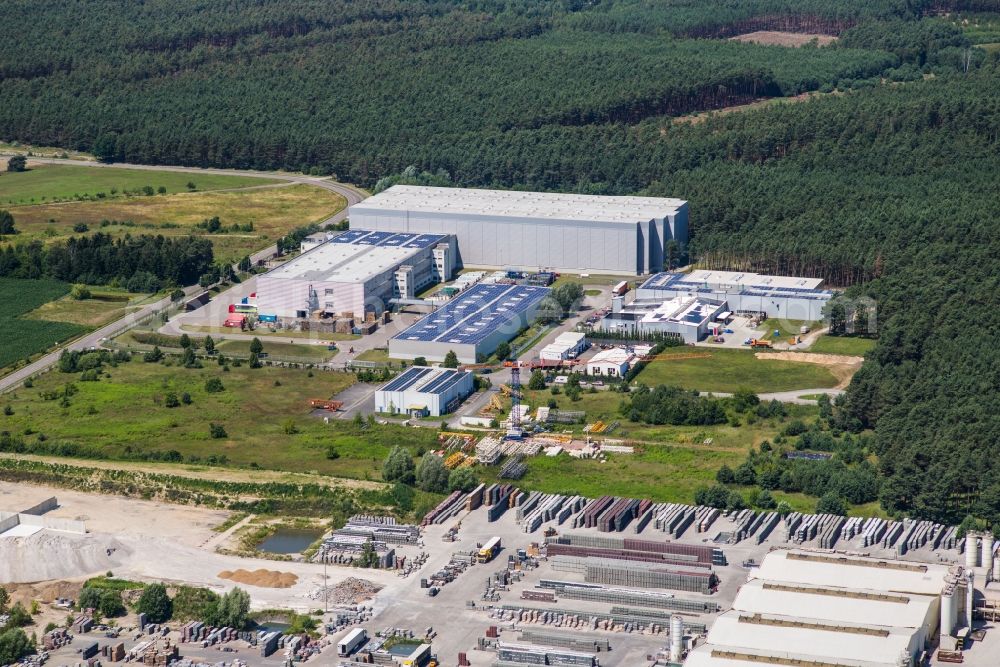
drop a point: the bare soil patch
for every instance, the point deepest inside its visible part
(777, 38)
(263, 578)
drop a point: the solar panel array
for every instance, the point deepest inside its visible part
(475, 313)
(387, 239)
(434, 380)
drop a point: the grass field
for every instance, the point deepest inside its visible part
(727, 370)
(786, 327)
(21, 337)
(842, 345)
(64, 182)
(278, 350)
(126, 413)
(273, 212)
(379, 355)
(105, 305)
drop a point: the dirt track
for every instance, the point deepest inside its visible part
(843, 367)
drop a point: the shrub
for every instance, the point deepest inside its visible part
(217, 431)
(214, 385)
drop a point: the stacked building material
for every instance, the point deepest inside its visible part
(524, 654)
(626, 596)
(442, 506)
(576, 642)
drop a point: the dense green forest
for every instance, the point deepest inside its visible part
(365, 88)
(885, 182)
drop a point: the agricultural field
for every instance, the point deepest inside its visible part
(65, 182)
(22, 337)
(847, 345)
(272, 211)
(725, 370)
(105, 305)
(264, 413)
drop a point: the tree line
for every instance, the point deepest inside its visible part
(144, 262)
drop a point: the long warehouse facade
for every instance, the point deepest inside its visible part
(471, 325)
(776, 296)
(357, 271)
(535, 230)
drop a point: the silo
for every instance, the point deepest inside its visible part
(676, 638)
(947, 611)
(971, 551)
(986, 558)
(970, 596)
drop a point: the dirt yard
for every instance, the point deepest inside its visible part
(114, 515)
(843, 367)
(775, 38)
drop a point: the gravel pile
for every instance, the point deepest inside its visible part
(350, 591)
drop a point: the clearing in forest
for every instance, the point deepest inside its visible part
(778, 38)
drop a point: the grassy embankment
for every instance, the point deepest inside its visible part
(856, 347)
(44, 204)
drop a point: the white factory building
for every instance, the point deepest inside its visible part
(535, 230)
(824, 608)
(567, 345)
(471, 325)
(746, 293)
(357, 271)
(615, 362)
(687, 317)
(422, 391)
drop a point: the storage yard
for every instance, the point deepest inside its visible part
(499, 576)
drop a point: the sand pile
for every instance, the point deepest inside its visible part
(47, 555)
(350, 591)
(262, 578)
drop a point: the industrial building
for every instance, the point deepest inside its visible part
(422, 391)
(615, 362)
(796, 609)
(746, 293)
(567, 345)
(535, 230)
(687, 317)
(471, 325)
(355, 272)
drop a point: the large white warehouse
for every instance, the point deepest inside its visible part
(777, 296)
(535, 230)
(357, 271)
(422, 391)
(796, 609)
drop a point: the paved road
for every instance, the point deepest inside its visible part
(93, 339)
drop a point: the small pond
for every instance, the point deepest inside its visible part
(289, 540)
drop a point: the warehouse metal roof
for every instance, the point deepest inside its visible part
(426, 380)
(835, 640)
(475, 313)
(355, 256)
(709, 655)
(835, 604)
(751, 284)
(517, 204)
(832, 570)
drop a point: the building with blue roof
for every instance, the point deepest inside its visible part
(472, 324)
(422, 391)
(356, 272)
